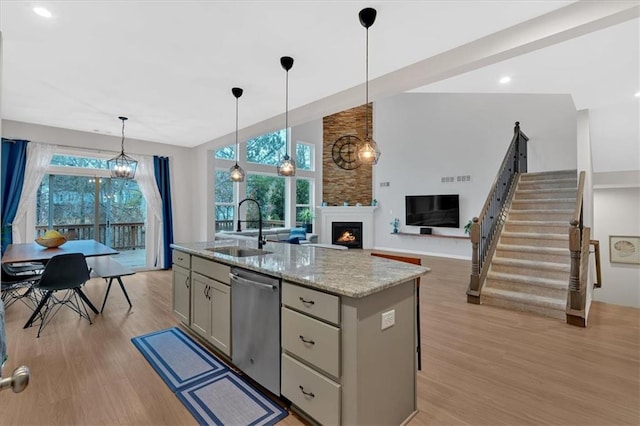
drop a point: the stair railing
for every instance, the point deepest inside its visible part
(488, 224)
(579, 244)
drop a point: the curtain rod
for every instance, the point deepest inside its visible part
(78, 148)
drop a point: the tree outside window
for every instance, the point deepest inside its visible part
(226, 153)
(304, 214)
(304, 156)
(269, 192)
(267, 149)
(225, 206)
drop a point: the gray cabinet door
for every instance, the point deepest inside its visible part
(181, 293)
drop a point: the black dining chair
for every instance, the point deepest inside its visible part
(17, 284)
(62, 273)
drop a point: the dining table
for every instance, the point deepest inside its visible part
(33, 252)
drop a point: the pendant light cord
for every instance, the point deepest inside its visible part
(366, 129)
(122, 142)
(237, 146)
(286, 117)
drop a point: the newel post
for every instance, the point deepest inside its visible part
(574, 277)
(473, 293)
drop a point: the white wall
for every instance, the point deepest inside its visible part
(437, 135)
(617, 212)
(615, 132)
(179, 160)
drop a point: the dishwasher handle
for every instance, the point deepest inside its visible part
(250, 282)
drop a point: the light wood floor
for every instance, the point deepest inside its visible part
(481, 365)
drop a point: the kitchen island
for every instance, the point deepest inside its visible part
(348, 329)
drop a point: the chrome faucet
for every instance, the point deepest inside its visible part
(260, 240)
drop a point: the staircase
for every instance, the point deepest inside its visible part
(531, 265)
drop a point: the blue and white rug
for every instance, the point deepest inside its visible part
(210, 391)
(178, 359)
(227, 399)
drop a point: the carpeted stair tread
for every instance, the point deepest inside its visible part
(545, 200)
(525, 279)
(539, 222)
(545, 191)
(530, 264)
(534, 249)
(546, 184)
(556, 174)
(528, 299)
(541, 211)
(537, 235)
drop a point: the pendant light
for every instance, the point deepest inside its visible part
(368, 152)
(122, 166)
(287, 165)
(235, 172)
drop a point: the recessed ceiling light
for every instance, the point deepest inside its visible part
(637, 95)
(505, 79)
(42, 12)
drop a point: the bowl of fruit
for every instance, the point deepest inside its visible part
(51, 239)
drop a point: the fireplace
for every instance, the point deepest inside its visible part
(348, 234)
(327, 215)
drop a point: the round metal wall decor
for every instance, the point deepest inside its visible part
(345, 152)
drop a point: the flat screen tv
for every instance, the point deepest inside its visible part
(432, 210)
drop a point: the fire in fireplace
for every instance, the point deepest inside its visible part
(347, 234)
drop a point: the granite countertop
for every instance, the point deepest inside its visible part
(351, 273)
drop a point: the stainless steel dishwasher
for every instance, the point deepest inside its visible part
(255, 326)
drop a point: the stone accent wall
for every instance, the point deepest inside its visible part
(339, 185)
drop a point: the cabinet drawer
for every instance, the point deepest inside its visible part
(322, 398)
(316, 303)
(181, 258)
(321, 344)
(211, 269)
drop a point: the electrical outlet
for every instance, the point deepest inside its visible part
(384, 184)
(388, 319)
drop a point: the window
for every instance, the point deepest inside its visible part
(304, 156)
(226, 153)
(266, 149)
(225, 201)
(76, 161)
(303, 201)
(259, 159)
(269, 192)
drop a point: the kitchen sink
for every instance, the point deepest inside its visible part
(223, 240)
(238, 251)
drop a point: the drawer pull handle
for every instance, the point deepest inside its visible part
(307, 302)
(309, 394)
(186, 282)
(310, 342)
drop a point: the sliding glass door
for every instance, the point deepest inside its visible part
(111, 211)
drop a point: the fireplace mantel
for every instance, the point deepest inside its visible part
(330, 214)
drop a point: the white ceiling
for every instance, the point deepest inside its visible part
(170, 65)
